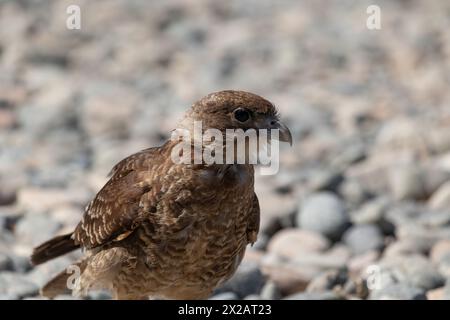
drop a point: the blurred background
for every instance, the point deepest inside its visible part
(361, 206)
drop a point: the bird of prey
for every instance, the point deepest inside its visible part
(169, 230)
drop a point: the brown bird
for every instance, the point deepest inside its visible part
(168, 230)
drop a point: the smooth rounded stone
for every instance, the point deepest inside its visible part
(424, 235)
(401, 132)
(27, 227)
(404, 212)
(441, 198)
(444, 266)
(66, 297)
(363, 238)
(7, 196)
(434, 218)
(436, 294)
(371, 212)
(440, 250)
(325, 180)
(323, 213)
(270, 291)
(398, 291)
(414, 270)
(293, 242)
(8, 297)
(6, 263)
(288, 276)
(99, 295)
(351, 154)
(326, 295)
(16, 285)
(361, 262)
(248, 279)
(405, 247)
(34, 199)
(433, 179)
(328, 280)
(406, 182)
(106, 109)
(253, 297)
(353, 192)
(225, 296)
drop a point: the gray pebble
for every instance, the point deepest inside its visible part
(363, 238)
(225, 296)
(398, 291)
(270, 291)
(323, 213)
(6, 264)
(16, 285)
(327, 295)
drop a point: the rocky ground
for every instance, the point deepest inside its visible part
(361, 206)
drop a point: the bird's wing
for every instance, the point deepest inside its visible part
(253, 221)
(122, 203)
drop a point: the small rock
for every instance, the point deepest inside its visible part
(292, 242)
(441, 198)
(327, 295)
(16, 285)
(6, 264)
(328, 280)
(288, 276)
(414, 270)
(406, 182)
(440, 250)
(361, 262)
(444, 265)
(270, 291)
(225, 296)
(353, 192)
(363, 238)
(436, 294)
(398, 291)
(325, 181)
(26, 228)
(253, 297)
(323, 213)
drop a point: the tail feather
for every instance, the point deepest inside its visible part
(53, 248)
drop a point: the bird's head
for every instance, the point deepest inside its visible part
(231, 109)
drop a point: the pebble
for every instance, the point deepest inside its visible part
(327, 295)
(323, 213)
(270, 291)
(398, 291)
(293, 242)
(13, 284)
(225, 296)
(363, 238)
(441, 198)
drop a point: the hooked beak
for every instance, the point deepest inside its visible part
(285, 133)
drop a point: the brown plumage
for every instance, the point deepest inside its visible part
(169, 230)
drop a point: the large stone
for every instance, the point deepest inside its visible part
(323, 213)
(289, 243)
(363, 238)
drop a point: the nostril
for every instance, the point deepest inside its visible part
(273, 122)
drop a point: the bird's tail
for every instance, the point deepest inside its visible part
(64, 282)
(53, 248)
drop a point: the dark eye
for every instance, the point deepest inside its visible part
(241, 115)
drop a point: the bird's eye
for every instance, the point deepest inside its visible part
(241, 115)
